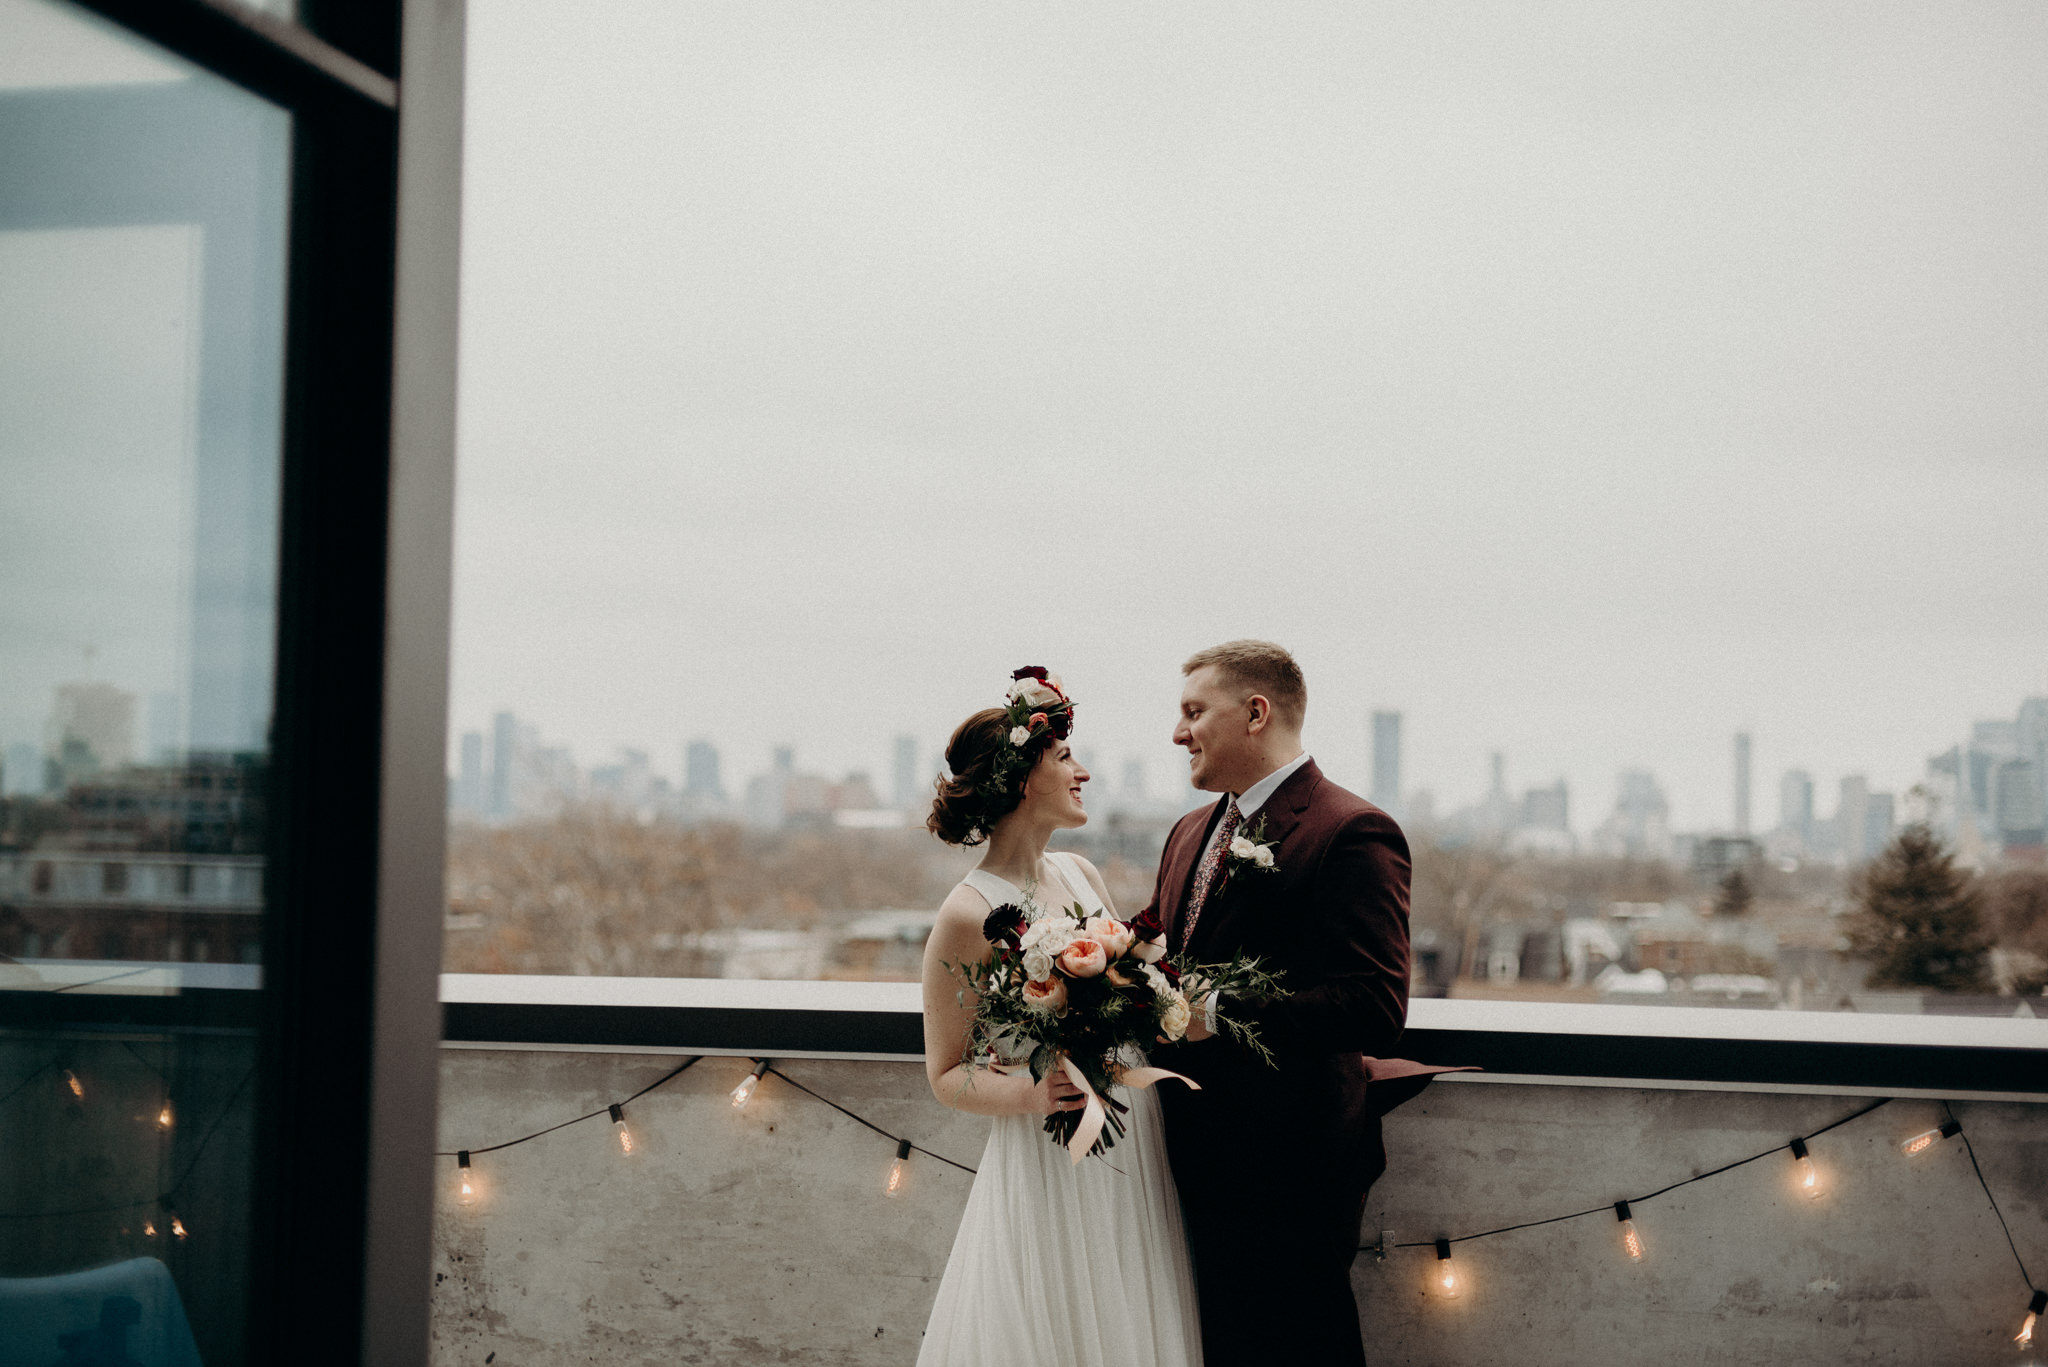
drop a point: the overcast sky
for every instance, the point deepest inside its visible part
(1584, 381)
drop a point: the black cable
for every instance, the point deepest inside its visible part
(1974, 1167)
(67, 987)
(896, 1138)
(604, 1110)
(1638, 1200)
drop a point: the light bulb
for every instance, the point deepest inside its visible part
(1631, 1238)
(148, 1228)
(1804, 1173)
(163, 1116)
(178, 1228)
(741, 1093)
(1919, 1143)
(2025, 1338)
(465, 1180)
(899, 1171)
(171, 1218)
(1445, 1279)
(625, 1135)
(77, 1087)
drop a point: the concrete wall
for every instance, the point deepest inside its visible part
(762, 1236)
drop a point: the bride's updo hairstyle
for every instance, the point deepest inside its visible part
(993, 752)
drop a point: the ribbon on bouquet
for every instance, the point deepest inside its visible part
(1093, 1116)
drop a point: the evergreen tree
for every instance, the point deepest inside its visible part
(1735, 895)
(1921, 923)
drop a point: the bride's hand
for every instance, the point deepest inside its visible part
(1054, 1093)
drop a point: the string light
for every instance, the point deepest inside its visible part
(2025, 1337)
(77, 1087)
(1631, 1237)
(899, 1171)
(1804, 1171)
(1446, 1280)
(178, 1230)
(1948, 1129)
(148, 1228)
(745, 1090)
(163, 1116)
(465, 1179)
(625, 1135)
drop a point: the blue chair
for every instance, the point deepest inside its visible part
(121, 1315)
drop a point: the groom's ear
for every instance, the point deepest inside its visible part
(1261, 712)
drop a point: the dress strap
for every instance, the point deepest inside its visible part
(995, 891)
(1077, 882)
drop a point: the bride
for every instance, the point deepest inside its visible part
(1054, 1263)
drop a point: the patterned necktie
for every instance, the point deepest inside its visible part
(1212, 865)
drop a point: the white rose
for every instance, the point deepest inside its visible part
(1241, 848)
(1173, 1016)
(1019, 734)
(1036, 693)
(1160, 986)
(1263, 856)
(1037, 965)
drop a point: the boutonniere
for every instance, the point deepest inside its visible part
(1250, 850)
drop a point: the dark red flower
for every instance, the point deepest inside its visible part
(1038, 672)
(1004, 925)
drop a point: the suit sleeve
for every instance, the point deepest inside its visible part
(1355, 995)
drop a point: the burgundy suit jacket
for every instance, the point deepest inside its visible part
(1333, 916)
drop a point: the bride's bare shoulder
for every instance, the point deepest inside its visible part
(962, 913)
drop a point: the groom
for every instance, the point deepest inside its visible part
(1273, 1163)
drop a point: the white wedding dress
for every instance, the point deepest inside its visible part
(1065, 1265)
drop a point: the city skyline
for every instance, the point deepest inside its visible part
(1531, 801)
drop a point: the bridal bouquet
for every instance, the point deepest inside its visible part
(1067, 990)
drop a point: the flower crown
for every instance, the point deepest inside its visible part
(1037, 708)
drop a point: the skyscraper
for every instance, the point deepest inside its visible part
(1386, 761)
(1742, 783)
(1852, 817)
(504, 755)
(906, 785)
(470, 791)
(700, 772)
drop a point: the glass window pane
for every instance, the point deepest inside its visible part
(142, 251)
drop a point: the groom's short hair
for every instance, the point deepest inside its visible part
(1258, 667)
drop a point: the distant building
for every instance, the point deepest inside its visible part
(504, 753)
(1879, 819)
(91, 728)
(1640, 826)
(906, 790)
(1852, 820)
(701, 783)
(1386, 762)
(472, 793)
(2018, 811)
(1742, 783)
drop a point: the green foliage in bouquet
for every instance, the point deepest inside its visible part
(1062, 984)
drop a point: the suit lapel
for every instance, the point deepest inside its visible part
(1283, 813)
(1181, 856)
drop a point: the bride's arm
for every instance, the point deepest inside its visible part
(956, 939)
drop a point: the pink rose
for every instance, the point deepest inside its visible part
(1082, 959)
(1050, 995)
(1150, 951)
(1114, 936)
